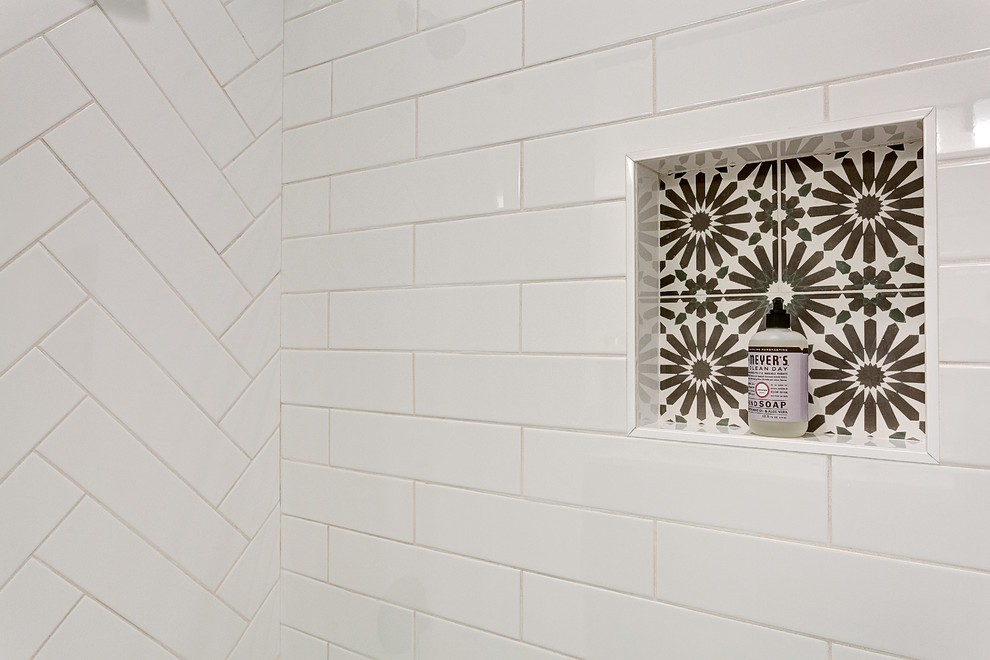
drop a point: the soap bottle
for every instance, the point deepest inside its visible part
(778, 377)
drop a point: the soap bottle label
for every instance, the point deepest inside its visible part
(778, 384)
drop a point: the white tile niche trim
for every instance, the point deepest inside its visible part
(653, 294)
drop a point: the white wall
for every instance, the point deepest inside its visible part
(455, 478)
(139, 220)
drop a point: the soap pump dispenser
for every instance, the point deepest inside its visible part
(778, 377)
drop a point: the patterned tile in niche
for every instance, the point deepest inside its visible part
(853, 220)
(858, 138)
(702, 362)
(867, 369)
(717, 230)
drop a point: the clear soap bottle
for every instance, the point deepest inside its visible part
(778, 377)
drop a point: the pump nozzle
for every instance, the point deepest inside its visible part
(778, 316)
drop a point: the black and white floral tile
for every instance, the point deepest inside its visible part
(840, 236)
(717, 230)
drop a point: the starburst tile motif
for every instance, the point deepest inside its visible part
(717, 231)
(834, 224)
(858, 219)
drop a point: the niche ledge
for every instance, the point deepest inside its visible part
(839, 220)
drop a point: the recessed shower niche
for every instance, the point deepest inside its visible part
(839, 221)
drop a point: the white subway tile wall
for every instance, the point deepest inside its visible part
(455, 333)
(449, 352)
(140, 232)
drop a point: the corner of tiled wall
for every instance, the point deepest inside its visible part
(140, 174)
(456, 479)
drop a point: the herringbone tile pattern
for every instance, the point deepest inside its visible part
(140, 158)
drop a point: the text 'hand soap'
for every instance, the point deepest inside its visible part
(778, 377)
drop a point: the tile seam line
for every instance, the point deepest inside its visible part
(40, 34)
(393, 40)
(33, 553)
(110, 120)
(168, 466)
(452, 285)
(107, 606)
(250, 464)
(158, 87)
(41, 135)
(154, 267)
(254, 618)
(581, 204)
(331, 645)
(94, 199)
(45, 436)
(275, 512)
(37, 241)
(213, 75)
(130, 528)
(79, 600)
(824, 544)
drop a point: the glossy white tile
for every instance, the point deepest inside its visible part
(572, 392)
(474, 48)
(364, 139)
(255, 256)
(117, 275)
(50, 496)
(366, 625)
(574, 317)
(964, 316)
(111, 367)
(476, 318)
(964, 439)
(255, 416)
(306, 208)
(437, 12)
(474, 592)
(307, 95)
(256, 493)
(957, 90)
(28, 108)
(362, 380)
(775, 493)
(92, 632)
(23, 21)
(304, 320)
(257, 93)
(304, 547)
(607, 550)
(101, 59)
(602, 625)
(592, 89)
(437, 639)
(37, 193)
(585, 241)
(123, 184)
(345, 27)
(35, 294)
(482, 456)
(256, 572)
(114, 467)
(471, 183)
(95, 551)
(918, 511)
(212, 31)
(357, 260)
(159, 43)
(724, 64)
(34, 396)
(256, 174)
(590, 164)
(253, 339)
(298, 645)
(32, 605)
(306, 434)
(556, 28)
(262, 639)
(363, 502)
(848, 653)
(963, 200)
(260, 21)
(827, 593)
